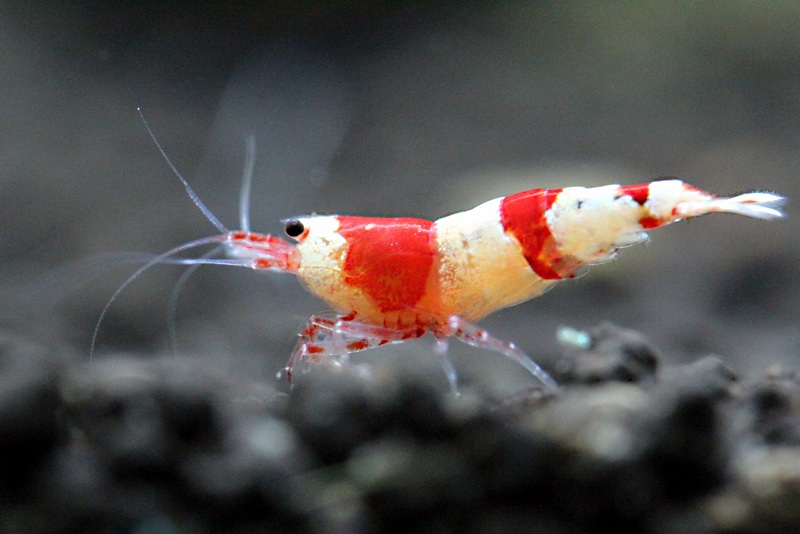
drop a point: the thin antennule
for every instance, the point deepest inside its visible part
(172, 307)
(165, 258)
(247, 182)
(196, 199)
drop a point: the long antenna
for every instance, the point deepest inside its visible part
(247, 182)
(166, 258)
(161, 258)
(196, 199)
(172, 307)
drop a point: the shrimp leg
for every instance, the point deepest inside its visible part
(330, 338)
(476, 336)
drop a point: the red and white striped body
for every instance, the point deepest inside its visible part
(403, 273)
(392, 279)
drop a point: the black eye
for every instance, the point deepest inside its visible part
(294, 228)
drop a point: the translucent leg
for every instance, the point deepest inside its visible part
(330, 338)
(317, 329)
(362, 336)
(447, 364)
(478, 337)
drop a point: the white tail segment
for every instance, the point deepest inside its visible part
(757, 205)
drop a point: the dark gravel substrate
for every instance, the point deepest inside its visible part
(131, 445)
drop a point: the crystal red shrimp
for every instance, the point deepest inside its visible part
(389, 280)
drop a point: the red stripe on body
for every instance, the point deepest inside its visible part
(389, 259)
(639, 192)
(523, 216)
(650, 222)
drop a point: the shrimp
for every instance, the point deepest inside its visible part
(390, 280)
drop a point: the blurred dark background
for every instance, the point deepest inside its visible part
(392, 108)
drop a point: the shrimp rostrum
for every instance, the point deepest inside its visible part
(389, 280)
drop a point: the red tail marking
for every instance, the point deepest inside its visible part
(523, 216)
(650, 222)
(639, 192)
